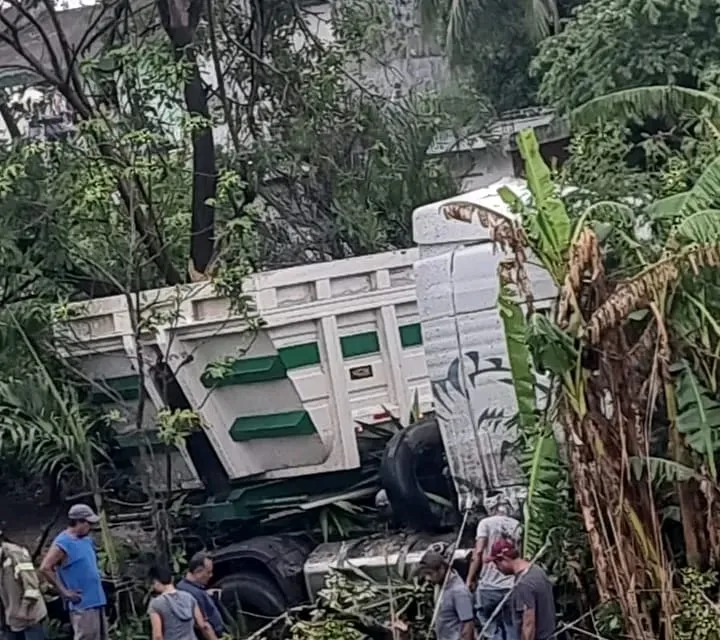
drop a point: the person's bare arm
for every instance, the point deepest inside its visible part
(476, 563)
(527, 631)
(468, 631)
(203, 625)
(48, 569)
(156, 625)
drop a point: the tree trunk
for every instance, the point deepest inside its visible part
(180, 19)
(202, 242)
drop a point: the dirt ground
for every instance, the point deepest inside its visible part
(24, 518)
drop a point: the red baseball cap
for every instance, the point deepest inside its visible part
(502, 548)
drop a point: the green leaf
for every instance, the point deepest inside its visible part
(541, 464)
(552, 349)
(643, 102)
(702, 227)
(705, 193)
(519, 356)
(511, 199)
(698, 417)
(550, 227)
(661, 469)
(669, 207)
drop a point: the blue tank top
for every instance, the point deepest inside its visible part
(79, 572)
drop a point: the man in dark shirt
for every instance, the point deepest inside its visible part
(195, 582)
(455, 615)
(533, 592)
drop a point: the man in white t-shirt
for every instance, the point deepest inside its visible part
(492, 585)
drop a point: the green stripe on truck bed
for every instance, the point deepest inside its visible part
(410, 335)
(300, 355)
(263, 369)
(273, 425)
(246, 370)
(360, 344)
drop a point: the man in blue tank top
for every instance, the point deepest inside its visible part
(71, 566)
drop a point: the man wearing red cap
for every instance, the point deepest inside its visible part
(533, 592)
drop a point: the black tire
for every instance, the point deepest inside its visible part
(253, 594)
(413, 461)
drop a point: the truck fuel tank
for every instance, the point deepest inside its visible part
(378, 557)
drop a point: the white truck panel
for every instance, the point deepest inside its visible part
(464, 342)
(346, 330)
(341, 345)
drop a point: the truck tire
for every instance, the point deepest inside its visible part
(278, 559)
(253, 594)
(413, 461)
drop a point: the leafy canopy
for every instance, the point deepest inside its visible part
(609, 45)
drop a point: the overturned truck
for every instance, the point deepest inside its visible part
(407, 338)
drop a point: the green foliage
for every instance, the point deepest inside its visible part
(547, 488)
(667, 175)
(548, 225)
(535, 347)
(319, 168)
(523, 378)
(610, 45)
(340, 165)
(174, 426)
(131, 628)
(701, 196)
(698, 617)
(698, 417)
(352, 606)
(539, 456)
(46, 429)
(553, 349)
(492, 43)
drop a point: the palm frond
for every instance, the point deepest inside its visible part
(463, 19)
(542, 18)
(661, 469)
(698, 417)
(643, 102)
(705, 192)
(459, 29)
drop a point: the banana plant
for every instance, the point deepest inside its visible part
(539, 455)
(543, 229)
(679, 285)
(653, 101)
(42, 422)
(559, 347)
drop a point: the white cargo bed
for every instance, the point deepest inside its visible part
(341, 344)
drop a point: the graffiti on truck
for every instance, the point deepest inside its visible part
(478, 391)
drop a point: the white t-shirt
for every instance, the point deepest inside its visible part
(495, 528)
